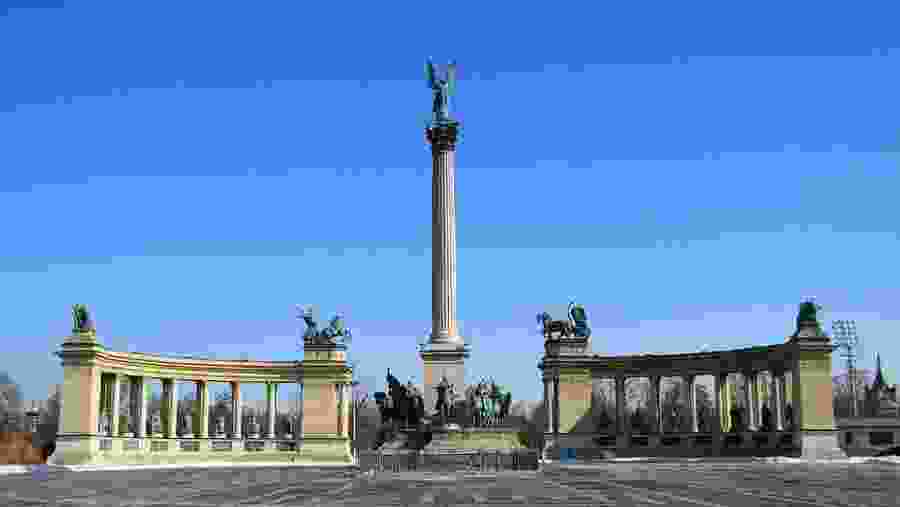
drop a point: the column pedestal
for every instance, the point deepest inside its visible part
(442, 361)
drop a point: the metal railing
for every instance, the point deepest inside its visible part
(463, 460)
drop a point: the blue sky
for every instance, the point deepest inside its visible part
(191, 170)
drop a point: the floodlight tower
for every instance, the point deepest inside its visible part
(845, 336)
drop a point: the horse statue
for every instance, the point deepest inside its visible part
(554, 329)
(401, 404)
(576, 326)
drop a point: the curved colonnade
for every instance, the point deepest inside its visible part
(94, 378)
(794, 418)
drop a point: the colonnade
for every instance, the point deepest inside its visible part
(752, 402)
(111, 423)
(94, 427)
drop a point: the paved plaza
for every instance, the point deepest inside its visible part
(706, 484)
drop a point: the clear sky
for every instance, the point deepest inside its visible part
(687, 171)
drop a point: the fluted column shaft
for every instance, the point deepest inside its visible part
(171, 407)
(142, 404)
(778, 399)
(691, 382)
(271, 396)
(749, 401)
(443, 245)
(116, 387)
(621, 423)
(655, 408)
(202, 430)
(236, 410)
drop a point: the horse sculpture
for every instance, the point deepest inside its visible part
(401, 404)
(576, 326)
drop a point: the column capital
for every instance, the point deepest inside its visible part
(443, 135)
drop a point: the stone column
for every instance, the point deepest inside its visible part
(691, 382)
(620, 404)
(717, 430)
(203, 409)
(750, 424)
(348, 388)
(171, 401)
(782, 386)
(654, 406)
(271, 408)
(339, 398)
(548, 426)
(724, 402)
(142, 402)
(445, 353)
(114, 410)
(236, 410)
(556, 403)
(443, 235)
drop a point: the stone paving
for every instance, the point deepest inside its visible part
(672, 484)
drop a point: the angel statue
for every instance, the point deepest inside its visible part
(81, 320)
(442, 89)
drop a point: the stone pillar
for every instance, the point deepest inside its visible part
(271, 408)
(814, 429)
(339, 396)
(237, 411)
(443, 297)
(724, 403)
(775, 401)
(116, 399)
(348, 403)
(691, 382)
(548, 405)
(556, 411)
(782, 400)
(445, 353)
(654, 406)
(143, 400)
(171, 404)
(750, 410)
(202, 423)
(718, 422)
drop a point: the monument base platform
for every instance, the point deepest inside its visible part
(443, 439)
(816, 445)
(99, 450)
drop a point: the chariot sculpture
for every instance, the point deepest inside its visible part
(334, 333)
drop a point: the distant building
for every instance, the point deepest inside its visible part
(881, 398)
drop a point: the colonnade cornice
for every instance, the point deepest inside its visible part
(763, 358)
(191, 369)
